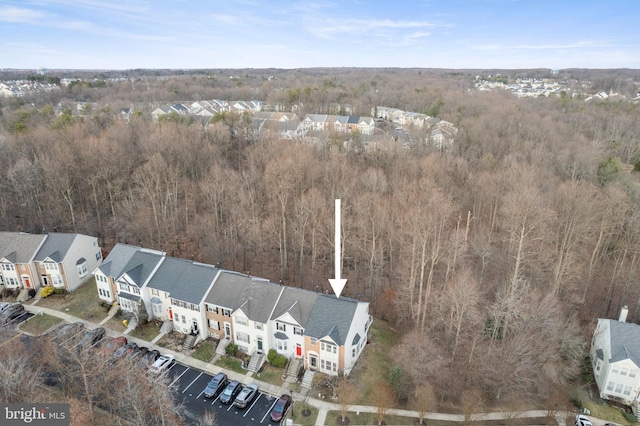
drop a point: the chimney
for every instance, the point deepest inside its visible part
(623, 314)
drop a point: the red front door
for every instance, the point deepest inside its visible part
(170, 314)
(298, 350)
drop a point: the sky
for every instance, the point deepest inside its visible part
(190, 34)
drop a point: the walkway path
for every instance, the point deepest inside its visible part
(323, 406)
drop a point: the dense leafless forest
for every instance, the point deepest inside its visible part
(496, 255)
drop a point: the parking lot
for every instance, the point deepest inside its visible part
(189, 384)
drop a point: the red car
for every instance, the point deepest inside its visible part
(114, 344)
(278, 410)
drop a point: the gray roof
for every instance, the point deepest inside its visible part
(19, 247)
(297, 302)
(331, 317)
(55, 247)
(117, 259)
(256, 297)
(184, 279)
(280, 335)
(129, 296)
(625, 341)
(140, 266)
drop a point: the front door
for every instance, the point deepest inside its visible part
(298, 350)
(259, 343)
(313, 362)
(45, 280)
(227, 329)
(26, 281)
(194, 327)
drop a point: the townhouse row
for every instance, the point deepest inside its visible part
(326, 332)
(60, 260)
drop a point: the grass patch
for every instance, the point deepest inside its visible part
(82, 303)
(375, 361)
(231, 363)
(205, 351)
(602, 410)
(38, 324)
(146, 331)
(271, 374)
(297, 414)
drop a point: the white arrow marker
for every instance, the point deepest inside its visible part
(337, 283)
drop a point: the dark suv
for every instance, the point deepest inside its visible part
(10, 313)
(230, 392)
(215, 385)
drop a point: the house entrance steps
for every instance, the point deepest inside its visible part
(291, 373)
(189, 342)
(257, 359)
(23, 296)
(307, 379)
(222, 345)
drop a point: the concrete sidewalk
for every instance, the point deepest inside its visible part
(323, 406)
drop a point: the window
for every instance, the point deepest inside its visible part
(297, 331)
(614, 370)
(314, 341)
(184, 320)
(226, 312)
(7, 266)
(57, 280)
(633, 372)
(328, 347)
(281, 327)
(124, 287)
(11, 282)
(258, 325)
(281, 345)
(214, 324)
(48, 266)
(98, 256)
(240, 320)
(328, 365)
(627, 390)
(154, 292)
(242, 337)
(598, 365)
(212, 308)
(1, 279)
(136, 290)
(104, 293)
(618, 388)
(82, 269)
(624, 371)
(353, 353)
(157, 308)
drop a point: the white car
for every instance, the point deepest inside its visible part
(162, 364)
(582, 420)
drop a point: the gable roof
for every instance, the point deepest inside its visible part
(296, 302)
(184, 279)
(18, 247)
(331, 317)
(255, 297)
(141, 265)
(55, 247)
(625, 341)
(117, 259)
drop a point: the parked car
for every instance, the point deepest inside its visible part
(4, 305)
(280, 408)
(230, 392)
(582, 420)
(246, 395)
(114, 344)
(137, 353)
(215, 385)
(125, 350)
(162, 364)
(10, 313)
(70, 329)
(92, 337)
(149, 358)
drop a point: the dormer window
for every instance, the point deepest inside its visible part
(50, 266)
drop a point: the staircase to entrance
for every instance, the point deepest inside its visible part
(256, 361)
(189, 342)
(293, 368)
(307, 379)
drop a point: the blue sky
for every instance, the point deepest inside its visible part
(124, 34)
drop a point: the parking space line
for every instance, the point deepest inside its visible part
(254, 403)
(185, 389)
(269, 410)
(177, 378)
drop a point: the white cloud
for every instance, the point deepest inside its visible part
(19, 14)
